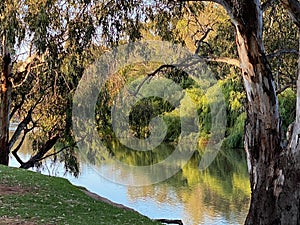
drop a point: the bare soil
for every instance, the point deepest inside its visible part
(9, 190)
(15, 221)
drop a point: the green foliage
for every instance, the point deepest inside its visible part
(287, 107)
(281, 34)
(236, 133)
(146, 108)
(172, 120)
(142, 113)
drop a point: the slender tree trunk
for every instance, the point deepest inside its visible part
(5, 96)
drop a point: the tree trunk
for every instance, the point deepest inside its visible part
(5, 96)
(274, 181)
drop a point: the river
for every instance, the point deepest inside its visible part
(218, 195)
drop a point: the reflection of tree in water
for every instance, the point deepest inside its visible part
(139, 158)
(221, 190)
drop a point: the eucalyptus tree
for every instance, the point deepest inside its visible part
(273, 164)
(44, 48)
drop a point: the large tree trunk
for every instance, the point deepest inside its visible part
(274, 173)
(5, 95)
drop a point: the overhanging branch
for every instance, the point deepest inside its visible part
(15, 151)
(41, 152)
(282, 52)
(230, 61)
(225, 3)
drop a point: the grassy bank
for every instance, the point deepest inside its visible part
(38, 199)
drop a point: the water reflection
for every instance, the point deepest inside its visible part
(218, 195)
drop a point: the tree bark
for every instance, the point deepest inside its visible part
(5, 96)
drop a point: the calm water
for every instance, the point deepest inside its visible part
(218, 195)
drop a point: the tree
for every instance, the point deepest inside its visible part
(44, 48)
(273, 167)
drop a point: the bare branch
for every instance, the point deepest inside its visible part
(15, 151)
(168, 221)
(22, 125)
(55, 153)
(27, 66)
(19, 130)
(17, 107)
(22, 82)
(159, 69)
(284, 88)
(40, 154)
(282, 52)
(230, 61)
(150, 75)
(199, 42)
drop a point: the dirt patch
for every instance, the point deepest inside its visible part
(7, 190)
(14, 221)
(13, 190)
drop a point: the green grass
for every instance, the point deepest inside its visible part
(52, 200)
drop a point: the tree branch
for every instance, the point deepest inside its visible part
(22, 125)
(40, 154)
(282, 52)
(293, 7)
(27, 63)
(150, 75)
(17, 107)
(224, 3)
(26, 67)
(230, 61)
(15, 151)
(201, 40)
(19, 130)
(179, 222)
(55, 153)
(159, 69)
(282, 89)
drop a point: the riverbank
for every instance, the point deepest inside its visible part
(30, 198)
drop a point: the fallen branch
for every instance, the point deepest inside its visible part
(179, 222)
